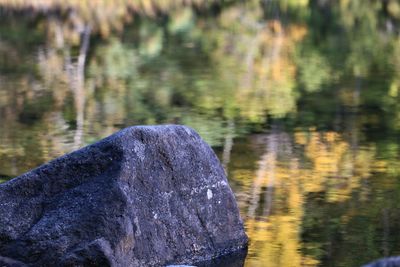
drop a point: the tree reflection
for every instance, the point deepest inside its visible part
(317, 80)
(299, 176)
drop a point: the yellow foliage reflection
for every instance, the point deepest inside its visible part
(272, 197)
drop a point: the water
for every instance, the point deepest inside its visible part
(299, 99)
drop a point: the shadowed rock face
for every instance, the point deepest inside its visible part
(145, 196)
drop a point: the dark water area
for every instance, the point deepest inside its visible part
(299, 99)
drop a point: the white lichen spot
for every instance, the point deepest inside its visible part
(139, 149)
(209, 194)
(187, 131)
(136, 222)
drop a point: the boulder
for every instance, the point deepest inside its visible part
(144, 196)
(385, 262)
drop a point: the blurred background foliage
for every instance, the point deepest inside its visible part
(299, 98)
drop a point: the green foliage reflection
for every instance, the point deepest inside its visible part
(319, 79)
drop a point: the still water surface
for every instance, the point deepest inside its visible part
(299, 99)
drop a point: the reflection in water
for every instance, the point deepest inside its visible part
(292, 169)
(299, 98)
(309, 193)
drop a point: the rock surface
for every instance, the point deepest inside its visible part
(385, 262)
(145, 196)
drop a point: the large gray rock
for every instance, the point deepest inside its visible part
(385, 262)
(145, 196)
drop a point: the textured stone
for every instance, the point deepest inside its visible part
(145, 196)
(385, 262)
